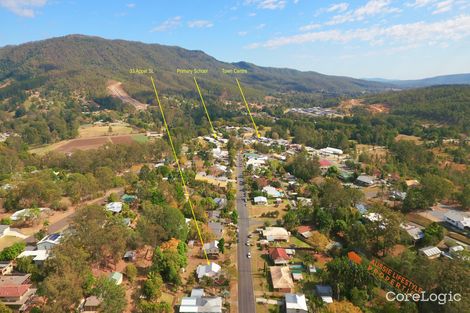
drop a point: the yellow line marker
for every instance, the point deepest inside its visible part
(248, 108)
(205, 108)
(186, 192)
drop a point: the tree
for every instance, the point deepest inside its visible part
(221, 245)
(113, 295)
(152, 286)
(131, 272)
(436, 188)
(103, 236)
(303, 167)
(384, 230)
(167, 220)
(153, 307)
(342, 307)
(415, 200)
(291, 220)
(4, 308)
(12, 251)
(433, 233)
(464, 197)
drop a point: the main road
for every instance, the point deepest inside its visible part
(246, 297)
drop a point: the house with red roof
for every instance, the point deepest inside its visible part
(279, 256)
(16, 292)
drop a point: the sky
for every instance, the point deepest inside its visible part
(407, 39)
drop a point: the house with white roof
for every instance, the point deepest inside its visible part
(272, 192)
(295, 303)
(414, 231)
(275, 234)
(325, 292)
(260, 200)
(457, 219)
(208, 270)
(198, 302)
(331, 151)
(212, 248)
(430, 252)
(114, 207)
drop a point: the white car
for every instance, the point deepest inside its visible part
(248, 243)
(248, 255)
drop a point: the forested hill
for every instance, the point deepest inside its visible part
(448, 105)
(85, 62)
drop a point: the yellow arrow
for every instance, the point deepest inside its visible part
(248, 108)
(186, 192)
(205, 108)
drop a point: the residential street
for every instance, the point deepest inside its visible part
(246, 298)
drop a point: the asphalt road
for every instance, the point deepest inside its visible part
(246, 297)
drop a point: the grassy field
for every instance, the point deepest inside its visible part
(93, 136)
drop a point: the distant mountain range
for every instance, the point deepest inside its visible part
(456, 79)
(88, 63)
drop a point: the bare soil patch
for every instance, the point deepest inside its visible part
(116, 89)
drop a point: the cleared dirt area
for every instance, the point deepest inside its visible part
(115, 89)
(68, 146)
(374, 151)
(415, 139)
(376, 108)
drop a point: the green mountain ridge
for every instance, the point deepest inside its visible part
(88, 63)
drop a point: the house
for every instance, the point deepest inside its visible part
(281, 278)
(275, 234)
(209, 270)
(457, 219)
(414, 231)
(198, 302)
(398, 195)
(16, 292)
(129, 256)
(430, 252)
(279, 256)
(6, 267)
(325, 164)
(38, 256)
(4, 230)
(260, 200)
(331, 151)
(220, 202)
(114, 207)
(365, 180)
(272, 192)
(305, 231)
(91, 304)
(325, 292)
(117, 277)
(297, 276)
(49, 242)
(212, 248)
(217, 228)
(295, 303)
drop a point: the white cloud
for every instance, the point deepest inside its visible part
(130, 5)
(443, 6)
(200, 24)
(371, 8)
(296, 1)
(260, 26)
(268, 4)
(242, 33)
(169, 24)
(453, 29)
(420, 3)
(338, 7)
(251, 14)
(309, 27)
(25, 8)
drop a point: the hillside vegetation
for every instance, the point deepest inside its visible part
(87, 63)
